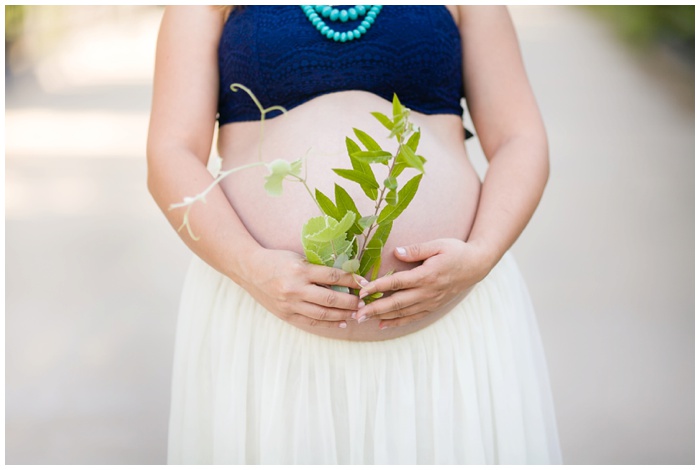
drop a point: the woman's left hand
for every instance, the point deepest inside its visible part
(450, 267)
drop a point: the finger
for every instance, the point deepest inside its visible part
(331, 276)
(384, 324)
(418, 252)
(397, 302)
(326, 297)
(302, 320)
(395, 282)
(324, 314)
(401, 312)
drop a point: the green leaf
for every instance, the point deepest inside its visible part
(351, 266)
(295, 167)
(366, 140)
(345, 203)
(279, 169)
(327, 205)
(391, 182)
(398, 128)
(273, 184)
(397, 108)
(373, 250)
(400, 165)
(313, 257)
(366, 221)
(332, 228)
(351, 146)
(373, 156)
(410, 158)
(413, 141)
(324, 252)
(390, 213)
(371, 298)
(368, 183)
(342, 258)
(382, 118)
(391, 197)
(362, 167)
(339, 246)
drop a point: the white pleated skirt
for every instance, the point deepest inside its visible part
(249, 388)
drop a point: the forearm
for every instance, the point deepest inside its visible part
(223, 241)
(511, 191)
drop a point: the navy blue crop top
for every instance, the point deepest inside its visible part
(413, 51)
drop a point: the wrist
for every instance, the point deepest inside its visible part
(486, 253)
(245, 260)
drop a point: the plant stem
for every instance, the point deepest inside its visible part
(380, 198)
(401, 139)
(222, 174)
(308, 190)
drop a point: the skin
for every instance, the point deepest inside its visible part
(444, 257)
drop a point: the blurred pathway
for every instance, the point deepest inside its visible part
(609, 255)
(93, 270)
(92, 267)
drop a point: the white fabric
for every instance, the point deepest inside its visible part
(250, 388)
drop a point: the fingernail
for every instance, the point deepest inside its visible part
(362, 319)
(363, 295)
(342, 324)
(361, 304)
(363, 282)
(402, 251)
(354, 315)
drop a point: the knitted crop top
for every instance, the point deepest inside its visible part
(413, 51)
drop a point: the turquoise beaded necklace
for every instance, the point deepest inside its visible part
(317, 13)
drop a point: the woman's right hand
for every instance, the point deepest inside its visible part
(295, 290)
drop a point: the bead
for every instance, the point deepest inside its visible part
(333, 14)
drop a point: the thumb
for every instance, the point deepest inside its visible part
(417, 252)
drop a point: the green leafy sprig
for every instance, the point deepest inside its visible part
(389, 200)
(342, 237)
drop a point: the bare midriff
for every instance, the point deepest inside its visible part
(444, 206)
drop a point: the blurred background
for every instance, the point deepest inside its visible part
(93, 270)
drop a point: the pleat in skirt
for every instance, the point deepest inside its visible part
(248, 388)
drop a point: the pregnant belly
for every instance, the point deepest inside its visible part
(444, 206)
